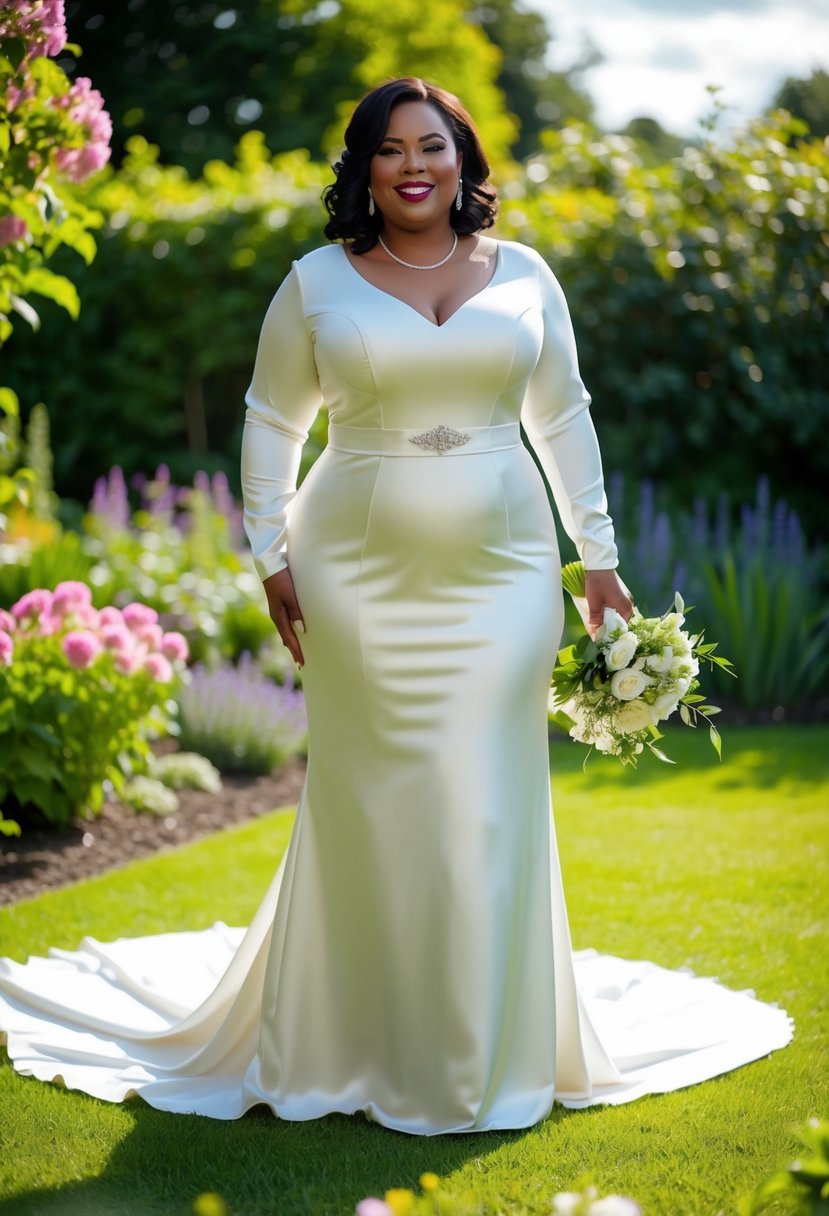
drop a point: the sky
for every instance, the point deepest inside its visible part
(659, 55)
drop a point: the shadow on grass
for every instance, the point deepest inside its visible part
(759, 756)
(260, 1165)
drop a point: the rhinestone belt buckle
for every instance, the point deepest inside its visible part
(440, 439)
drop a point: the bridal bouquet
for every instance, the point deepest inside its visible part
(610, 692)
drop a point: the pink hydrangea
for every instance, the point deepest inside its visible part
(12, 228)
(129, 661)
(44, 23)
(159, 668)
(137, 614)
(81, 647)
(32, 605)
(6, 649)
(7, 621)
(174, 647)
(117, 637)
(70, 596)
(150, 635)
(85, 107)
(110, 616)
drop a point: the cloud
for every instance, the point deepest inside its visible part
(658, 61)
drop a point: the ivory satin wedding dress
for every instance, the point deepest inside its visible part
(411, 957)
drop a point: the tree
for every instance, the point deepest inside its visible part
(537, 95)
(807, 99)
(193, 77)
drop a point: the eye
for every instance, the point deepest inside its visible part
(385, 151)
(435, 148)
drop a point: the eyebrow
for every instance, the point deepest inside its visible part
(392, 139)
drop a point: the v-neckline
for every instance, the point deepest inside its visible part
(434, 324)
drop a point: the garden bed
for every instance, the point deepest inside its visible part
(42, 858)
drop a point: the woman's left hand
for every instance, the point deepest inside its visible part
(604, 589)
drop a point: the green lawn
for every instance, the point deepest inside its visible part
(722, 868)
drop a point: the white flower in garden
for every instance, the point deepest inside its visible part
(619, 653)
(661, 661)
(674, 620)
(628, 683)
(634, 716)
(614, 1205)
(565, 1203)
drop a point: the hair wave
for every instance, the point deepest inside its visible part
(346, 198)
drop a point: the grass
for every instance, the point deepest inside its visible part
(721, 868)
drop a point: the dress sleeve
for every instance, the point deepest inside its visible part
(556, 416)
(282, 402)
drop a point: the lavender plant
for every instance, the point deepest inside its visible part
(755, 581)
(239, 718)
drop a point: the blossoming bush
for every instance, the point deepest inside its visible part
(49, 130)
(82, 692)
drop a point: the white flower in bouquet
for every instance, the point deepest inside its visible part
(629, 683)
(619, 653)
(610, 691)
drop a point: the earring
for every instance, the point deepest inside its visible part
(459, 195)
(370, 202)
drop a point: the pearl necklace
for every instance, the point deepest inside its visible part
(411, 265)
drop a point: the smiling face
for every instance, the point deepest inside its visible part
(414, 172)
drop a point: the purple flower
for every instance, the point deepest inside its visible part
(81, 647)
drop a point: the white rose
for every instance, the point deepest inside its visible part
(665, 705)
(627, 684)
(633, 716)
(619, 653)
(611, 623)
(661, 661)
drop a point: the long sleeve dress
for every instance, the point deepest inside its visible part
(411, 958)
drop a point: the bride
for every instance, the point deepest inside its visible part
(411, 958)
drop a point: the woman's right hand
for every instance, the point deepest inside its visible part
(284, 611)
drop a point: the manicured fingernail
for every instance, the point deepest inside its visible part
(299, 626)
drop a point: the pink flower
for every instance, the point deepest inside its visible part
(33, 604)
(6, 621)
(110, 616)
(117, 637)
(71, 595)
(6, 649)
(137, 614)
(50, 624)
(150, 635)
(159, 668)
(12, 228)
(174, 646)
(81, 647)
(128, 661)
(373, 1207)
(85, 106)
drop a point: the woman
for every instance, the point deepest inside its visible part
(411, 958)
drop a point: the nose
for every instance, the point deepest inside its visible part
(411, 161)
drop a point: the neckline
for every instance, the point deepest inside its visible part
(434, 324)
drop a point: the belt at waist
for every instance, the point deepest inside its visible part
(440, 440)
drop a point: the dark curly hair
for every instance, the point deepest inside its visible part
(346, 198)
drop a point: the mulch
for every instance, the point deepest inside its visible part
(41, 859)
